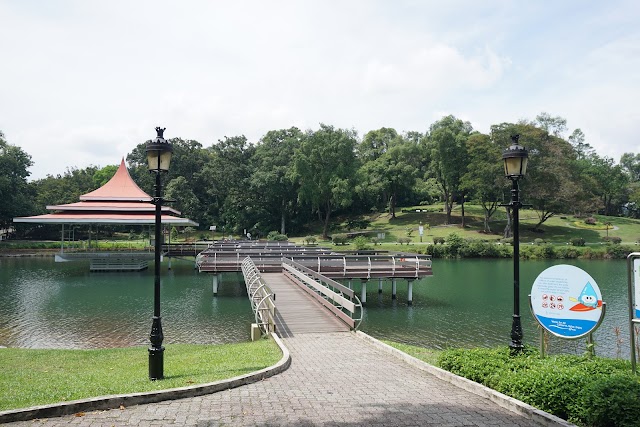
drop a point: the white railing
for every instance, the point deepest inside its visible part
(339, 299)
(260, 296)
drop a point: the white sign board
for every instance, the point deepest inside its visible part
(212, 228)
(566, 301)
(636, 285)
(421, 230)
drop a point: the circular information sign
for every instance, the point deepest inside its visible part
(566, 301)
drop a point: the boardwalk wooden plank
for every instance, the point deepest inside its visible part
(297, 311)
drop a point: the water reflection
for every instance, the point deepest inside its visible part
(466, 303)
(48, 305)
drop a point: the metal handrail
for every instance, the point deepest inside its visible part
(261, 297)
(342, 301)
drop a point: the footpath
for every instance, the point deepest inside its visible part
(335, 379)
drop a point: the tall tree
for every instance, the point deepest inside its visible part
(551, 183)
(484, 179)
(393, 171)
(447, 140)
(325, 165)
(272, 182)
(16, 195)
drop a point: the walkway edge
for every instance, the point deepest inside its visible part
(116, 401)
(509, 403)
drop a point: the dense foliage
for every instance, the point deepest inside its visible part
(585, 390)
(292, 178)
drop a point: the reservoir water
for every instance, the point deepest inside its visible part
(466, 303)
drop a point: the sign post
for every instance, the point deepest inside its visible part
(633, 272)
(566, 301)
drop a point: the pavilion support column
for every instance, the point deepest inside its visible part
(62, 240)
(215, 285)
(410, 292)
(379, 286)
(363, 296)
(394, 288)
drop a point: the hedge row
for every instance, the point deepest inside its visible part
(586, 391)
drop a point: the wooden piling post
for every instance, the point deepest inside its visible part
(379, 286)
(410, 292)
(363, 297)
(393, 288)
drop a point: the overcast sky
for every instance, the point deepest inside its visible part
(83, 82)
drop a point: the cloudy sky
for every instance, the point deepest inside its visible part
(82, 82)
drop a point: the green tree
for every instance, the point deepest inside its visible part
(551, 184)
(446, 143)
(325, 166)
(272, 183)
(484, 179)
(16, 195)
(181, 192)
(630, 163)
(102, 176)
(393, 171)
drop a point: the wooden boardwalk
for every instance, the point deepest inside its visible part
(298, 312)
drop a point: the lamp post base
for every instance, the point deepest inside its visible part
(156, 363)
(156, 351)
(516, 345)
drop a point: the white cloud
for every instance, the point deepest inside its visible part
(88, 81)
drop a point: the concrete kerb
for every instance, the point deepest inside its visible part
(116, 401)
(509, 403)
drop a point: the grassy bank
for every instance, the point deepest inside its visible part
(36, 377)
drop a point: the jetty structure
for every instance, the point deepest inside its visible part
(313, 285)
(118, 202)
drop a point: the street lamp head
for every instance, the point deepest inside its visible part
(159, 152)
(515, 159)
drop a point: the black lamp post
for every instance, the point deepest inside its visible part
(515, 167)
(159, 153)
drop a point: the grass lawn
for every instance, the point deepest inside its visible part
(37, 377)
(424, 354)
(559, 229)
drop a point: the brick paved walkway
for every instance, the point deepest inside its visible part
(335, 379)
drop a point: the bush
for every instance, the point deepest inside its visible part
(274, 235)
(454, 242)
(610, 401)
(402, 240)
(617, 251)
(538, 241)
(577, 241)
(590, 391)
(339, 239)
(612, 239)
(567, 252)
(437, 240)
(310, 240)
(361, 243)
(590, 221)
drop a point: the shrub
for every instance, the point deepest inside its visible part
(361, 243)
(454, 242)
(538, 241)
(507, 241)
(339, 239)
(437, 240)
(617, 251)
(590, 221)
(567, 252)
(589, 391)
(545, 251)
(608, 401)
(310, 240)
(577, 241)
(402, 240)
(612, 239)
(409, 231)
(274, 235)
